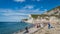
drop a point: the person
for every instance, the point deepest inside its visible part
(38, 25)
(26, 30)
(41, 25)
(49, 25)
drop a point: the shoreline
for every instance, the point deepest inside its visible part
(22, 30)
(31, 30)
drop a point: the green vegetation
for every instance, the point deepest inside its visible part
(24, 19)
(35, 16)
(42, 15)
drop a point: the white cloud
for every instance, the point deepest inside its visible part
(36, 0)
(28, 7)
(11, 18)
(19, 0)
(10, 12)
(16, 15)
(11, 15)
(30, 11)
(6, 10)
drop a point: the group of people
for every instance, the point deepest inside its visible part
(37, 26)
(40, 25)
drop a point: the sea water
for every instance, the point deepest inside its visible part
(11, 27)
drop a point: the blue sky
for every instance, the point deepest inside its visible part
(15, 10)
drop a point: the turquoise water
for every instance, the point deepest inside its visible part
(11, 27)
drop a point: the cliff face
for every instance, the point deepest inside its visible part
(53, 12)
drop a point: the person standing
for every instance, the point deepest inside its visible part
(49, 25)
(26, 30)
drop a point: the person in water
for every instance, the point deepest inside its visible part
(26, 30)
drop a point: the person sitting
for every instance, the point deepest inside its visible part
(41, 25)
